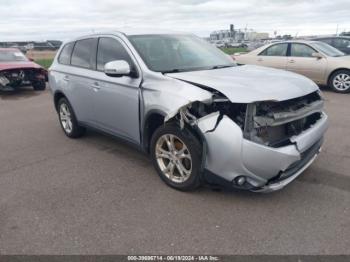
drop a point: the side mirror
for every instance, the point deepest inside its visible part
(317, 55)
(117, 68)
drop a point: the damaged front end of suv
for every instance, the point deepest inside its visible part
(200, 117)
(259, 146)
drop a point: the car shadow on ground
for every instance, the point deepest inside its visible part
(20, 93)
(123, 150)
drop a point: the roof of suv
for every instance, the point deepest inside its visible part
(146, 31)
(134, 31)
(130, 32)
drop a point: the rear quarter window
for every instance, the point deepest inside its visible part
(65, 54)
(275, 50)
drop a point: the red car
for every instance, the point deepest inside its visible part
(17, 70)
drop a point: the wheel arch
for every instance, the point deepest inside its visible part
(57, 96)
(335, 71)
(154, 119)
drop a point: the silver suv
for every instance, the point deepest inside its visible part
(201, 118)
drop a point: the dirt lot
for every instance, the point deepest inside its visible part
(97, 195)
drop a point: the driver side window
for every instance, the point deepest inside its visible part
(275, 50)
(110, 49)
(301, 50)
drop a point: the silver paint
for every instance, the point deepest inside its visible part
(249, 83)
(121, 106)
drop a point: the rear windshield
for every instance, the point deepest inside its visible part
(11, 56)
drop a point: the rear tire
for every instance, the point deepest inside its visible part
(176, 155)
(39, 86)
(68, 120)
(340, 81)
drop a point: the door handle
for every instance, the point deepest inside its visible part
(292, 61)
(260, 60)
(96, 86)
(66, 78)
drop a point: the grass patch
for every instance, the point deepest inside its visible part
(232, 50)
(46, 63)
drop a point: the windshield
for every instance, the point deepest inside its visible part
(11, 56)
(327, 49)
(176, 53)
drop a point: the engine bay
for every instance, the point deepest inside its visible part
(269, 123)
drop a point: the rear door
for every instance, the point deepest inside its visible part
(301, 61)
(274, 56)
(82, 65)
(116, 99)
(59, 75)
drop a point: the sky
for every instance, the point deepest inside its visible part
(64, 19)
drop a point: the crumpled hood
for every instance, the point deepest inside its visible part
(249, 83)
(17, 65)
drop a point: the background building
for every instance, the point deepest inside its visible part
(231, 35)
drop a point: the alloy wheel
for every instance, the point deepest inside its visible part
(342, 82)
(66, 118)
(173, 158)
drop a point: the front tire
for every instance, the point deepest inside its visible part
(68, 120)
(340, 81)
(176, 155)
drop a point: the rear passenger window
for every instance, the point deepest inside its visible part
(110, 49)
(83, 53)
(275, 50)
(66, 52)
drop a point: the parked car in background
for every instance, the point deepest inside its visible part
(199, 116)
(220, 44)
(340, 42)
(254, 45)
(318, 61)
(237, 45)
(17, 70)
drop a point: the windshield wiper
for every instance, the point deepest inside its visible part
(221, 66)
(175, 70)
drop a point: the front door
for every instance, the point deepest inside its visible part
(116, 99)
(302, 62)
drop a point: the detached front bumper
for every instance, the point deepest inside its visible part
(264, 169)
